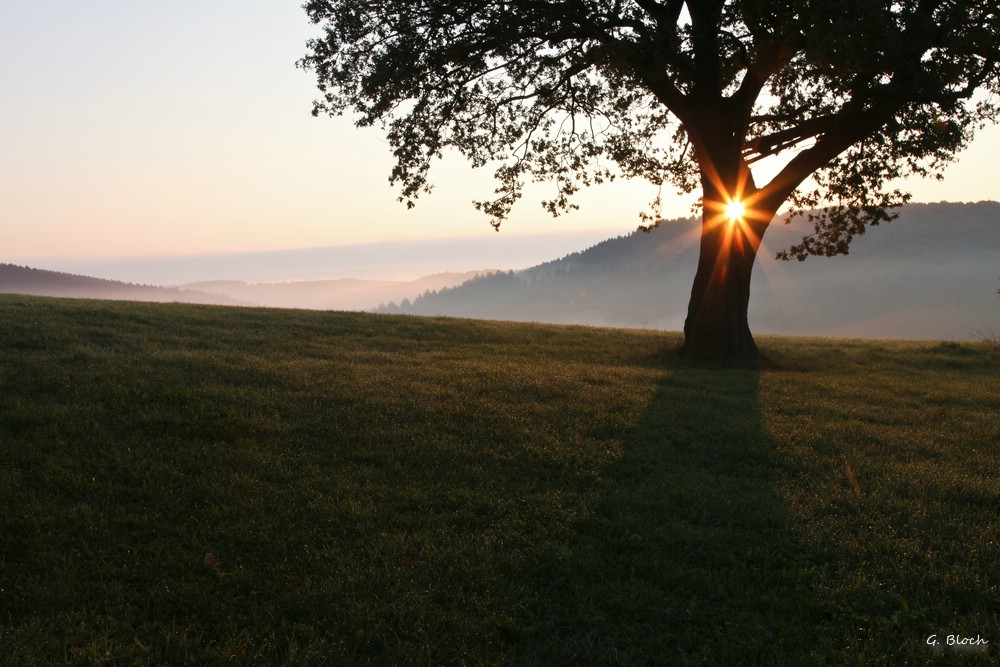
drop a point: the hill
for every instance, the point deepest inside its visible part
(219, 486)
(39, 282)
(930, 274)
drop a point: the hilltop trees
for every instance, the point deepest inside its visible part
(836, 99)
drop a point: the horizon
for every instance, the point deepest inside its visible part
(394, 259)
(926, 281)
(383, 260)
(119, 144)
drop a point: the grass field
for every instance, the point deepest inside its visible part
(191, 485)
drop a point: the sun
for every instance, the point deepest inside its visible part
(735, 211)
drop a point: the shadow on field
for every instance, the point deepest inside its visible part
(688, 559)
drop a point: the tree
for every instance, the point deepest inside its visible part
(837, 98)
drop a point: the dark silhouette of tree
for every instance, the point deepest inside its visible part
(845, 96)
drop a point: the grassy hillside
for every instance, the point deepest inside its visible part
(196, 485)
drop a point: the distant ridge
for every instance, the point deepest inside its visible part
(341, 294)
(933, 273)
(16, 279)
(345, 294)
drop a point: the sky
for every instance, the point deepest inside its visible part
(151, 128)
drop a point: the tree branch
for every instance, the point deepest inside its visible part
(664, 14)
(849, 128)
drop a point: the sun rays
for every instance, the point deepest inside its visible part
(735, 210)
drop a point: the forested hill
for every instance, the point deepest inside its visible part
(932, 273)
(39, 282)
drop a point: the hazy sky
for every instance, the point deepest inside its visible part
(153, 127)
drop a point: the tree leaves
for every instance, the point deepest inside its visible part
(581, 92)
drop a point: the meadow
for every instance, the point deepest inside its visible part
(196, 485)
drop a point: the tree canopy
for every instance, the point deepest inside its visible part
(840, 98)
(863, 92)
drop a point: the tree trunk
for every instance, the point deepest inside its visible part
(716, 327)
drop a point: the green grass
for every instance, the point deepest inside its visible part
(392, 490)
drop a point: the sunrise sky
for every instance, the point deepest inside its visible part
(156, 127)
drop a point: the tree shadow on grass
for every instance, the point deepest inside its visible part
(688, 558)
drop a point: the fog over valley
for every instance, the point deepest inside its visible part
(388, 260)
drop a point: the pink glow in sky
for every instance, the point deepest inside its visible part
(154, 127)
